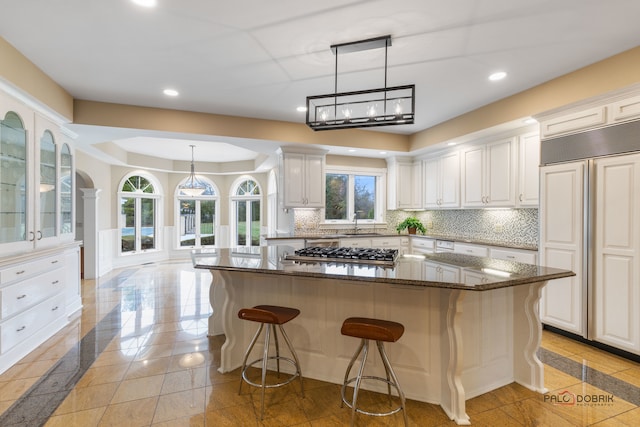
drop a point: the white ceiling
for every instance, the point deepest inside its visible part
(260, 58)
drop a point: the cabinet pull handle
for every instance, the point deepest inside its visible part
(21, 329)
(54, 308)
(55, 282)
(20, 272)
(39, 235)
(33, 236)
(510, 256)
(22, 296)
(55, 261)
(520, 197)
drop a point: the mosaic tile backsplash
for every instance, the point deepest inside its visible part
(518, 226)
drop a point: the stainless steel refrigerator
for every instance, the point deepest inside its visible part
(590, 223)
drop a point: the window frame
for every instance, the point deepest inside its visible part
(156, 196)
(198, 199)
(233, 198)
(381, 195)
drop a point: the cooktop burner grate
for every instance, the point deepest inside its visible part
(373, 256)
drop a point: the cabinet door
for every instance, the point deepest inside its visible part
(431, 183)
(617, 252)
(294, 191)
(561, 240)
(16, 169)
(529, 170)
(500, 174)
(473, 173)
(47, 188)
(314, 181)
(450, 180)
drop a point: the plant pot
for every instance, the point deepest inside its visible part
(412, 230)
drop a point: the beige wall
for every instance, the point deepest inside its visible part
(16, 69)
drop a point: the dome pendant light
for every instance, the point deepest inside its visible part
(192, 186)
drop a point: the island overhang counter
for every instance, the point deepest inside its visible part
(471, 323)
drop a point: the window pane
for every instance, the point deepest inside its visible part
(66, 185)
(336, 196)
(207, 222)
(47, 186)
(147, 223)
(187, 222)
(241, 222)
(13, 171)
(365, 196)
(255, 223)
(128, 231)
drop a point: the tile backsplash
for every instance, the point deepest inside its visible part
(519, 226)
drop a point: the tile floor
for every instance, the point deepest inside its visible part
(124, 362)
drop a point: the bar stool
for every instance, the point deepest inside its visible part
(380, 331)
(271, 316)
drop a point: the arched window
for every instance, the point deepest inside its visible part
(246, 207)
(138, 214)
(197, 216)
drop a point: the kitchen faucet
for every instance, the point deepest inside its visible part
(355, 220)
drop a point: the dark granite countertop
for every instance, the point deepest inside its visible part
(441, 270)
(452, 238)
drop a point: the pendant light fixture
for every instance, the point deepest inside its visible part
(192, 186)
(364, 108)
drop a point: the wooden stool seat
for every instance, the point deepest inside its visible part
(273, 317)
(379, 331)
(372, 329)
(272, 314)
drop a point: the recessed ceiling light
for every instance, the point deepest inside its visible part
(497, 76)
(451, 143)
(170, 92)
(301, 109)
(352, 150)
(145, 3)
(530, 121)
(383, 152)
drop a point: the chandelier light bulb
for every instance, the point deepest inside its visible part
(346, 112)
(371, 111)
(398, 107)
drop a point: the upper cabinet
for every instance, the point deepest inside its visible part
(36, 173)
(404, 183)
(303, 178)
(528, 170)
(442, 181)
(488, 174)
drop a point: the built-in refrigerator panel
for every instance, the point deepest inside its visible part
(562, 240)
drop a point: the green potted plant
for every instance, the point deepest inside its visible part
(412, 224)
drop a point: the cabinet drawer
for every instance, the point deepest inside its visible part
(28, 269)
(575, 122)
(385, 242)
(511, 255)
(17, 297)
(470, 250)
(417, 243)
(355, 243)
(21, 327)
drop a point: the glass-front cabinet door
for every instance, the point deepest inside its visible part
(47, 188)
(16, 176)
(66, 191)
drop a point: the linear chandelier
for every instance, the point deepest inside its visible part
(364, 108)
(192, 186)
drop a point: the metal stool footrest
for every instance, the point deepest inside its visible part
(292, 377)
(362, 411)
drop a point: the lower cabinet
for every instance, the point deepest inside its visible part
(38, 293)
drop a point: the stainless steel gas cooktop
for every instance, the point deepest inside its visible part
(374, 256)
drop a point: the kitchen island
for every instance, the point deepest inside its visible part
(471, 323)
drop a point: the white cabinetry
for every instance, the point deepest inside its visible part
(563, 302)
(518, 255)
(303, 178)
(440, 272)
(617, 252)
(404, 181)
(470, 249)
(400, 243)
(442, 181)
(420, 245)
(488, 174)
(528, 170)
(37, 294)
(36, 181)
(355, 242)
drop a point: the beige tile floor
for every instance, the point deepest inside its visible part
(138, 380)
